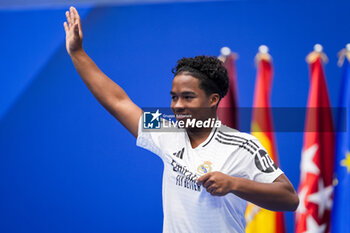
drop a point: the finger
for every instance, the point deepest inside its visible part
(75, 14)
(203, 178)
(207, 183)
(77, 20)
(72, 15)
(65, 27)
(68, 19)
(211, 188)
(212, 191)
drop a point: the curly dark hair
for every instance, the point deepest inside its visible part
(209, 70)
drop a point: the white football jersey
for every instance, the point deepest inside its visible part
(187, 206)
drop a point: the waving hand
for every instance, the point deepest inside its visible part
(74, 34)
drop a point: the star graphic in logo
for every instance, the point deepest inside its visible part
(322, 198)
(313, 227)
(346, 162)
(156, 115)
(302, 208)
(307, 163)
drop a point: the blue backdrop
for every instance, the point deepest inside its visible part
(66, 165)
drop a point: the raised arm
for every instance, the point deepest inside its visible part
(108, 93)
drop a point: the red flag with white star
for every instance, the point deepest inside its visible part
(315, 188)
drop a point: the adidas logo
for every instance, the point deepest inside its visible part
(180, 153)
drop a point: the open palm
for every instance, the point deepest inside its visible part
(74, 34)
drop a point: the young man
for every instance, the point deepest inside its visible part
(208, 174)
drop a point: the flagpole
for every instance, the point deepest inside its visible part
(318, 52)
(344, 53)
(226, 52)
(263, 54)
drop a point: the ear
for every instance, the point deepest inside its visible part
(214, 99)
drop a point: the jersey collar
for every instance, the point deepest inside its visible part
(206, 141)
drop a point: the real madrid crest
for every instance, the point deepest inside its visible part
(204, 168)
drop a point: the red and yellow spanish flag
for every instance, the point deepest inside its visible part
(259, 219)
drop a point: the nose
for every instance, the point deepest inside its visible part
(178, 105)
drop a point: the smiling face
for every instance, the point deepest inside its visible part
(187, 98)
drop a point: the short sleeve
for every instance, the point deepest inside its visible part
(258, 164)
(149, 140)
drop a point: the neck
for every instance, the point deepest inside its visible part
(198, 135)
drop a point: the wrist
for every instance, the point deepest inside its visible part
(235, 183)
(77, 53)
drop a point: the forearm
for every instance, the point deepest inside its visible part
(276, 196)
(105, 90)
(110, 95)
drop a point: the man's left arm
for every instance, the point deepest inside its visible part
(277, 196)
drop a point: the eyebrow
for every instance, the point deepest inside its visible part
(183, 93)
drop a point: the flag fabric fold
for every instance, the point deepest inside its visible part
(315, 187)
(228, 106)
(259, 219)
(340, 213)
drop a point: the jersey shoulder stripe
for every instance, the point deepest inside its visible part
(246, 144)
(244, 138)
(238, 135)
(242, 145)
(237, 139)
